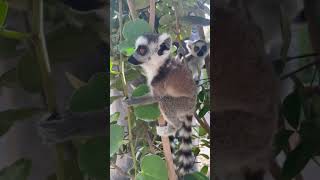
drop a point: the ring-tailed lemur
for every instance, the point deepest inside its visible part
(171, 85)
(194, 53)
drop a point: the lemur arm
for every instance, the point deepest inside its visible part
(147, 99)
(72, 125)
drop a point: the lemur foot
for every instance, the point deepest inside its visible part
(165, 131)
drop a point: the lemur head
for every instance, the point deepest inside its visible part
(151, 49)
(198, 48)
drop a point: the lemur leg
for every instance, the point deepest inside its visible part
(147, 99)
(71, 125)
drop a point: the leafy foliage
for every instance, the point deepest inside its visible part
(19, 170)
(141, 140)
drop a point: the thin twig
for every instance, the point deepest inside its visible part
(204, 125)
(38, 40)
(125, 91)
(300, 69)
(132, 9)
(298, 57)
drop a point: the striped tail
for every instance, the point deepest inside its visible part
(183, 157)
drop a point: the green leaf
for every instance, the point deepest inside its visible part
(281, 140)
(70, 43)
(296, 161)
(204, 155)
(3, 12)
(19, 170)
(133, 29)
(9, 117)
(132, 74)
(140, 4)
(196, 176)
(93, 158)
(115, 116)
(202, 131)
(8, 48)
(28, 73)
(166, 19)
(116, 138)
(74, 81)
(140, 90)
(148, 112)
(126, 47)
(117, 84)
(9, 79)
(196, 151)
(292, 108)
(201, 96)
(113, 98)
(153, 168)
(203, 111)
(204, 170)
(91, 96)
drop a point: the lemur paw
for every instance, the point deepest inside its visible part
(165, 131)
(128, 101)
(55, 129)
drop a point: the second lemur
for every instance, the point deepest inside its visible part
(193, 53)
(172, 86)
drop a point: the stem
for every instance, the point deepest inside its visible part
(152, 15)
(14, 34)
(300, 69)
(132, 9)
(38, 40)
(125, 91)
(202, 123)
(298, 57)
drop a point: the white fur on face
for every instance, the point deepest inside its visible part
(141, 41)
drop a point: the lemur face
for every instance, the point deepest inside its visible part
(151, 48)
(199, 48)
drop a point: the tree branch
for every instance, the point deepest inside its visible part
(132, 9)
(167, 152)
(152, 15)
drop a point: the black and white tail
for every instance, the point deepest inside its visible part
(183, 157)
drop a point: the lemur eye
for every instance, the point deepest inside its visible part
(196, 48)
(204, 48)
(142, 50)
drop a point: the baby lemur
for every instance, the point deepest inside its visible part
(172, 86)
(193, 54)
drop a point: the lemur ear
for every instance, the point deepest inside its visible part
(165, 41)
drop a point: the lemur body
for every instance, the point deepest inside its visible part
(171, 84)
(193, 54)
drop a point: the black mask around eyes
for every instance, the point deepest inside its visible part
(164, 46)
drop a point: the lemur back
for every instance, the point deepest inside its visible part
(172, 84)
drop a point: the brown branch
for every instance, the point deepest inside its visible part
(132, 9)
(204, 125)
(152, 14)
(167, 152)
